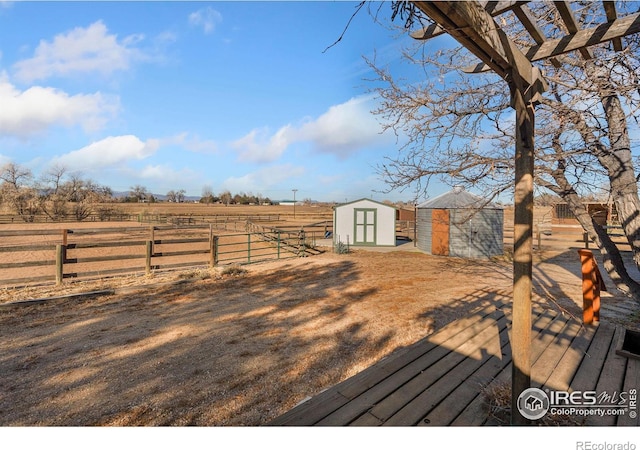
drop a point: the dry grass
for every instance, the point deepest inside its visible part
(209, 348)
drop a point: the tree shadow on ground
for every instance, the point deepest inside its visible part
(236, 351)
(228, 352)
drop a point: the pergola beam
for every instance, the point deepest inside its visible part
(610, 11)
(471, 25)
(583, 38)
(492, 7)
(572, 24)
(523, 13)
(586, 38)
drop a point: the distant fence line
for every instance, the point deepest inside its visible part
(178, 219)
(53, 255)
(547, 236)
(101, 252)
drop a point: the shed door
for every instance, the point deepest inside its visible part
(365, 227)
(440, 232)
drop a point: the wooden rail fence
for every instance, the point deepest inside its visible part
(44, 256)
(53, 255)
(547, 235)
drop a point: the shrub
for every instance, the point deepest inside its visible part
(233, 270)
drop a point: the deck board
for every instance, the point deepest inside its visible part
(475, 412)
(631, 381)
(403, 396)
(414, 412)
(410, 359)
(564, 371)
(611, 380)
(589, 371)
(405, 371)
(439, 380)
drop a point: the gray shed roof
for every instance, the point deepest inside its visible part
(458, 198)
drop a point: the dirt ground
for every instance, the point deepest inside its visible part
(209, 348)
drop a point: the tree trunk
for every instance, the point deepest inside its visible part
(617, 159)
(611, 256)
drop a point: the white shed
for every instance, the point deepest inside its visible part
(364, 222)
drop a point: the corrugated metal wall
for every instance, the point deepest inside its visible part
(423, 230)
(478, 236)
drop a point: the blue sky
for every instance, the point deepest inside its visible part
(182, 95)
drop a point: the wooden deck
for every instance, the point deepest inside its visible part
(440, 380)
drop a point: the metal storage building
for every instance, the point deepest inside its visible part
(364, 222)
(461, 224)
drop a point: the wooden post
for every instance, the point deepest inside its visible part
(148, 257)
(585, 238)
(592, 284)
(522, 252)
(212, 247)
(60, 256)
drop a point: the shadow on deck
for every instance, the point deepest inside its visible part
(442, 379)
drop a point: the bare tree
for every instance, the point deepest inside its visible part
(226, 197)
(139, 192)
(18, 192)
(62, 194)
(207, 195)
(459, 128)
(54, 203)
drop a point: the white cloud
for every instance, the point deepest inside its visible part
(166, 37)
(263, 179)
(81, 50)
(113, 150)
(342, 130)
(25, 113)
(259, 146)
(166, 174)
(192, 143)
(207, 18)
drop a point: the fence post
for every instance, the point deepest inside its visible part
(538, 236)
(248, 247)
(301, 247)
(148, 257)
(278, 244)
(212, 247)
(215, 250)
(585, 237)
(60, 257)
